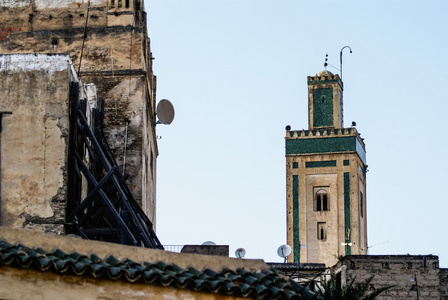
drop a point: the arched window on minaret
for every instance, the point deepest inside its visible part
(321, 231)
(321, 201)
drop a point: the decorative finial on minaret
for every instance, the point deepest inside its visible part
(326, 59)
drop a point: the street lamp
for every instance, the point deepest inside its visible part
(340, 56)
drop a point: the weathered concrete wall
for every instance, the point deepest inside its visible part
(413, 276)
(220, 250)
(35, 285)
(31, 284)
(34, 140)
(116, 57)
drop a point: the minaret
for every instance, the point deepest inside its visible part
(326, 180)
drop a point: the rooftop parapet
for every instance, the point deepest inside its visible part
(324, 77)
(325, 141)
(320, 133)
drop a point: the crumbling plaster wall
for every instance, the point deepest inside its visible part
(116, 57)
(34, 139)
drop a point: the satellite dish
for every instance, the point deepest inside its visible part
(284, 251)
(240, 252)
(165, 112)
(208, 243)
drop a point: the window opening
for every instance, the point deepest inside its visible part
(323, 99)
(321, 202)
(112, 3)
(120, 3)
(127, 3)
(324, 202)
(321, 231)
(361, 204)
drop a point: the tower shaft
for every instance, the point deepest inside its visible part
(326, 180)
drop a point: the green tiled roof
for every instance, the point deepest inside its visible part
(267, 284)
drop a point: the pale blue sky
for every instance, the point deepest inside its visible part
(236, 73)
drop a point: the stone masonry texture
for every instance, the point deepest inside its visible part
(115, 56)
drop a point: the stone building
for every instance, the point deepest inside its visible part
(34, 139)
(411, 276)
(326, 180)
(108, 44)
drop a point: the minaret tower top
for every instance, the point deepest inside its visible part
(325, 101)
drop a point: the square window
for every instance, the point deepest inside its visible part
(295, 165)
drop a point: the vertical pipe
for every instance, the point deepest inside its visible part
(125, 145)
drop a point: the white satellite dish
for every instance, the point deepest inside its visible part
(208, 243)
(284, 251)
(240, 252)
(165, 112)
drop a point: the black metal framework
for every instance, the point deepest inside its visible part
(108, 212)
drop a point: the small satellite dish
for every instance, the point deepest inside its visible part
(208, 243)
(284, 251)
(240, 252)
(165, 112)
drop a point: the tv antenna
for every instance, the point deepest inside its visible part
(284, 251)
(240, 252)
(165, 112)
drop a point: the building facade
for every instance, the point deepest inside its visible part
(326, 180)
(408, 276)
(108, 44)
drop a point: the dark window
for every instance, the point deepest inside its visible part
(321, 231)
(361, 204)
(324, 203)
(321, 202)
(127, 3)
(112, 3)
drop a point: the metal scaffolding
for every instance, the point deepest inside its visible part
(109, 212)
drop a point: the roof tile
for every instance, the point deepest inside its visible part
(267, 284)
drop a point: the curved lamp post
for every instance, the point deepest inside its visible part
(340, 56)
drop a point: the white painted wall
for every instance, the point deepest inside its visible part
(15, 3)
(42, 4)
